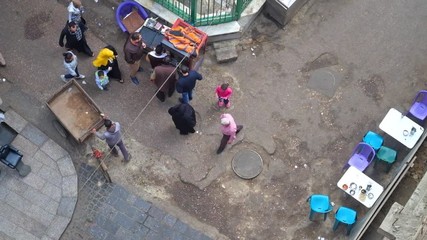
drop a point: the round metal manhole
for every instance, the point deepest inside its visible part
(247, 164)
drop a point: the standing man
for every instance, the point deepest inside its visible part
(229, 129)
(134, 49)
(186, 83)
(164, 77)
(113, 137)
(184, 117)
(75, 39)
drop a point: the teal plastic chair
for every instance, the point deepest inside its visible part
(387, 155)
(373, 139)
(345, 216)
(319, 204)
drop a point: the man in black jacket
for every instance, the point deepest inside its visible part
(184, 117)
(75, 39)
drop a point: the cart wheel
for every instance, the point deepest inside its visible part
(61, 130)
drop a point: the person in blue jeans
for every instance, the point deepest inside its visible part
(186, 83)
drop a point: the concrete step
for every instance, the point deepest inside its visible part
(226, 51)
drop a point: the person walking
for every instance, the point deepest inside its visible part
(107, 59)
(223, 93)
(134, 49)
(186, 83)
(229, 129)
(164, 77)
(75, 11)
(156, 57)
(70, 64)
(101, 79)
(75, 39)
(184, 118)
(113, 137)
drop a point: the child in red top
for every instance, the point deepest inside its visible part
(223, 93)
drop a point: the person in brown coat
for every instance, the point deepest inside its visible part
(134, 49)
(164, 77)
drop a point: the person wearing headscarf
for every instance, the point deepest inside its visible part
(107, 59)
(229, 130)
(184, 118)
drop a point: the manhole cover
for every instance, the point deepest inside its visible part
(325, 81)
(247, 164)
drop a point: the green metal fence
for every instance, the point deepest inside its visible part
(206, 12)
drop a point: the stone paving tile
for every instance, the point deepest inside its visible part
(15, 121)
(57, 226)
(39, 214)
(53, 177)
(157, 213)
(115, 213)
(66, 166)
(33, 163)
(53, 150)
(69, 186)
(25, 146)
(13, 185)
(7, 226)
(169, 220)
(34, 180)
(33, 134)
(3, 192)
(18, 202)
(52, 206)
(52, 191)
(36, 197)
(66, 206)
(43, 158)
(22, 234)
(20, 219)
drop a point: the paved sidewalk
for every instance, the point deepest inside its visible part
(40, 205)
(109, 211)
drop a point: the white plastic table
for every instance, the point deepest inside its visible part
(354, 181)
(401, 128)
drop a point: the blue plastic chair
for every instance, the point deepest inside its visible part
(362, 156)
(125, 8)
(387, 155)
(319, 204)
(373, 139)
(419, 106)
(346, 216)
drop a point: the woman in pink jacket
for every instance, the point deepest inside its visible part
(229, 129)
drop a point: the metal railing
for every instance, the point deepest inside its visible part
(206, 12)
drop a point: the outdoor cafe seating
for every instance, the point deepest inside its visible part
(402, 129)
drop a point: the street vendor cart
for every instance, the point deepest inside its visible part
(192, 55)
(75, 111)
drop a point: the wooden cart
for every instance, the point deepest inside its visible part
(75, 111)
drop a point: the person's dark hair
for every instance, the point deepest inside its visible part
(108, 123)
(68, 57)
(224, 86)
(100, 73)
(135, 36)
(159, 49)
(71, 24)
(184, 69)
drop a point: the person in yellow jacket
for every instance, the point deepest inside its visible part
(107, 58)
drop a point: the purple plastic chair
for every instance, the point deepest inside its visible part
(362, 156)
(419, 106)
(125, 8)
